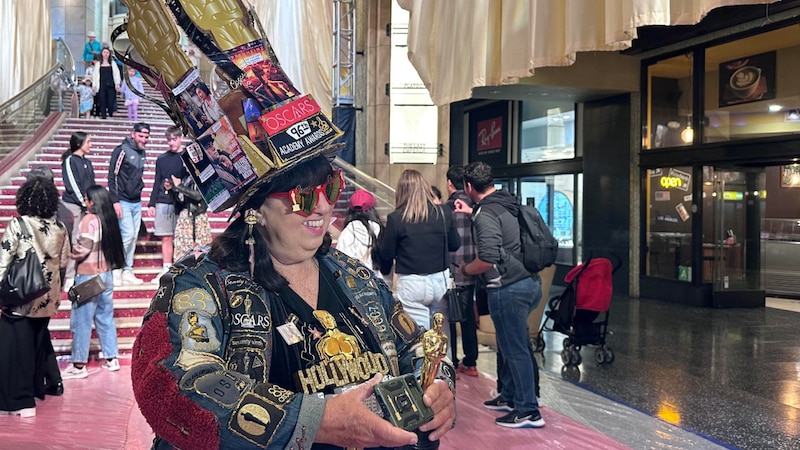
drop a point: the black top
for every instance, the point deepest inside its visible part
(106, 76)
(168, 164)
(77, 178)
(418, 248)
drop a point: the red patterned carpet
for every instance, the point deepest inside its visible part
(99, 412)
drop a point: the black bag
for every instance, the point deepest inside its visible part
(24, 280)
(89, 289)
(457, 303)
(539, 247)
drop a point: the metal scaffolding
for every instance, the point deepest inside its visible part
(344, 52)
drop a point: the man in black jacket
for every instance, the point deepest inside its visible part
(125, 184)
(513, 293)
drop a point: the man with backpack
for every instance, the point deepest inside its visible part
(513, 293)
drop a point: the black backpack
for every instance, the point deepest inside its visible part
(539, 247)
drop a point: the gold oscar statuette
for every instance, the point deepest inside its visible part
(434, 346)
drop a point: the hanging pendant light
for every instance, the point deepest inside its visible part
(687, 135)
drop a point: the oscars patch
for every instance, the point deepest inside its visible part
(256, 419)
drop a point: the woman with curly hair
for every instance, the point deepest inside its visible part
(97, 252)
(24, 338)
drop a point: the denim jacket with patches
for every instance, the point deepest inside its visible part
(201, 360)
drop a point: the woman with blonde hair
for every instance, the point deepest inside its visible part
(418, 238)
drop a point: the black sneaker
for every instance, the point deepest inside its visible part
(516, 419)
(54, 389)
(498, 404)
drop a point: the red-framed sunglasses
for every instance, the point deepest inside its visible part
(304, 200)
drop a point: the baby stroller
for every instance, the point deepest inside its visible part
(581, 312)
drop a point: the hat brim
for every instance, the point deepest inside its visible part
(329, 151)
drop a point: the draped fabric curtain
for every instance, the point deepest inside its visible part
(457, 45)
(301, 33)
(25, 44)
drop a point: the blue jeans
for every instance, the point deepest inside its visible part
(129, 228)
(100, 310)
(509, 307)
(421, 296)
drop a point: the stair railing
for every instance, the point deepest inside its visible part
(23, 113)
(383, 193)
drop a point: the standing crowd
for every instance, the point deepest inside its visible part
(88, 233)
(472, 237)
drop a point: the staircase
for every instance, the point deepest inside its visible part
(130, 302)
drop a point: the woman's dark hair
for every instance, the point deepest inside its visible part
(75, 142)
(37, 197)
(229, 249)
(365, 217)
(110, 237)
(204, 88)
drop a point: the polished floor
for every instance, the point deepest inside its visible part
(683, 378)
(727, 377)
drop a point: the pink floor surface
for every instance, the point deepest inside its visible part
(99, 412)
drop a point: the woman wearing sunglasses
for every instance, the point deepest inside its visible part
(271, 339)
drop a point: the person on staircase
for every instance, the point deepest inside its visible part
(98, 250)
(25, 346)
(161, 204)
(78, 174)
(192, 229)
(125, 184)
(106, 81)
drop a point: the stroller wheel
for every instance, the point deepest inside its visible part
(599, 355)
(538, 343)
(609, 354)
(565, 356)
(575, 356)
(571, 373)
(566, 343)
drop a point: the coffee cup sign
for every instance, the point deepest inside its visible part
(744, 81)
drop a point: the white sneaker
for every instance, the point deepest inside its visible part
(73, 372)
(157, 279)
(112, 365)
(117, 274)
(68, 282)
(129, 278)
(26, 412)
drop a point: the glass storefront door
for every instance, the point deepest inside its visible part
(734, 210)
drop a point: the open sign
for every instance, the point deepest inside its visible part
(671, 182)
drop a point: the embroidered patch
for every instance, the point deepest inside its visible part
(198, 332)
(249, 362)
(195, 299)
(404, 325)
(187, 382)
(256, 419)
(188, 359)
(224, 388)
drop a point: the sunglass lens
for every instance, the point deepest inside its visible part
(334, 188)
(308, 201)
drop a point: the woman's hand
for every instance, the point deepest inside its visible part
(346, 422)
(439, 398)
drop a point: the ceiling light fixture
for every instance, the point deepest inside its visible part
(775, 108)
(687, 135)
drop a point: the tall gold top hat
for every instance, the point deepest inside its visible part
(262, 127)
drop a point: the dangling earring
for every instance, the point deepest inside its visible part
(250, 219)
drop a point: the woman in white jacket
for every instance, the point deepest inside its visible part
(362, 226)
(106, 82)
